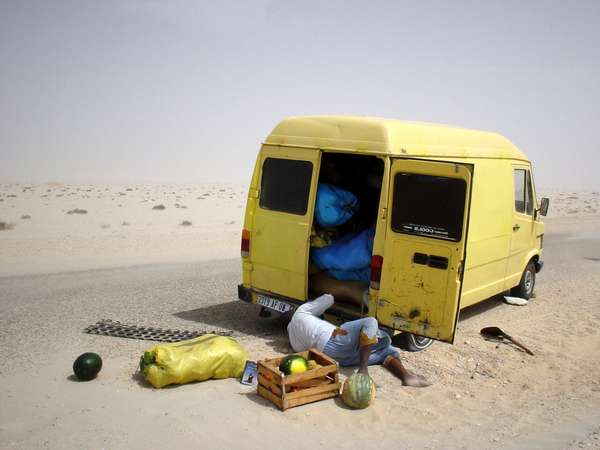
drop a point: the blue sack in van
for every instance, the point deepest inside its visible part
(351, 252)
(335, 206)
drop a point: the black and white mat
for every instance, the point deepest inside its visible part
(107, 327)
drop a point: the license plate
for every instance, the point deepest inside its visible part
(274, 304)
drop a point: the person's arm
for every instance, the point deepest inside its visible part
(316, 307)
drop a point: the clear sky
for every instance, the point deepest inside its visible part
(184, 91)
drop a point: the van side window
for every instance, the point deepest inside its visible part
(529, 197)
(520, 190)
(429, 206)
(285, 185)
(523, 192)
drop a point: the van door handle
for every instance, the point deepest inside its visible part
(437, 262)
(516, 226)
(421, 258)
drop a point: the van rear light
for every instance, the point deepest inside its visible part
(376, 265)
(245, 250)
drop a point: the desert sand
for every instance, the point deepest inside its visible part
(57, 227)
(124, 260)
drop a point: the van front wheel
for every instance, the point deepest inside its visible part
(527, 283)
(412, 342)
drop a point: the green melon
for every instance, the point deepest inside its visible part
(292, 364)
(358, 391)
(87, 366)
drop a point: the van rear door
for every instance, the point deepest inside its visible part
(279, 242)
(424, 252)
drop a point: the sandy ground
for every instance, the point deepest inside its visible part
(120, 227)
(484, 395)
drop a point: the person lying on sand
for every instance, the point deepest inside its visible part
(359, 342)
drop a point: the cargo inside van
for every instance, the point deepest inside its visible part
(362, 176)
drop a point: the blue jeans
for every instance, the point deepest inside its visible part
(346, 349)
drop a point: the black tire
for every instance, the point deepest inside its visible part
(527, 283)
(411, 342)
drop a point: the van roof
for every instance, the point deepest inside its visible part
(392, 137)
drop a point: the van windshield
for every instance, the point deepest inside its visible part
(428, 206)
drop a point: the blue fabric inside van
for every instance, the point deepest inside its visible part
(335, 206)
(350, 253)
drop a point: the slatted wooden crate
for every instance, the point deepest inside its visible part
(287, 391)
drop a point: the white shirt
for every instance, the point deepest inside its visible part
(306, 330)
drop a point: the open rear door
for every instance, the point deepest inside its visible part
(282, 220)
(424, 252)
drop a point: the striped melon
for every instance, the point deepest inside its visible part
(358, 391)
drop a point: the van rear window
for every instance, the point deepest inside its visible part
(428, 206)
(285, 185)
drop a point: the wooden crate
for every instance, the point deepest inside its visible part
(287, 391)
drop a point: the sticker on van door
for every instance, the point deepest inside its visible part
(424, 230)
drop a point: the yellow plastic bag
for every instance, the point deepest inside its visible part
(199, 359)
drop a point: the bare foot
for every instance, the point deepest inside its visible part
(364, 370)
(414, 380)
(394, 365)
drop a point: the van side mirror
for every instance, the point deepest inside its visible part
(544, 204)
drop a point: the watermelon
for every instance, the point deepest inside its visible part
(358, 391)
(87, 366)
(292, 364)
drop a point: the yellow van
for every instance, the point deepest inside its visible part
(454, 211)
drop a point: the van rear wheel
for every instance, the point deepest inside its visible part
(412, 342)
(527, 283)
